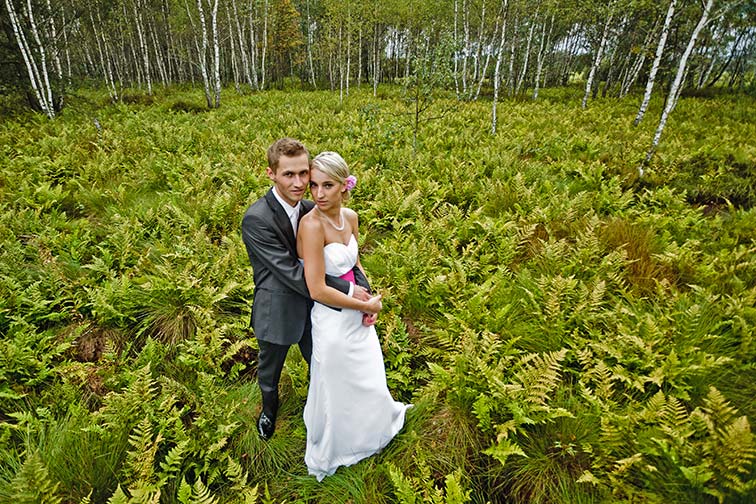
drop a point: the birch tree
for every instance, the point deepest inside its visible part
(37, 70)
(674, 91)
(656, 63)
(542, 50)
(599, 55)
(497, 69)
(216, 54)
(142, 38)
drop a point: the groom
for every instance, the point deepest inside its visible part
(281, 304)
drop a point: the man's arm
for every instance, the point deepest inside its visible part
(262, 241)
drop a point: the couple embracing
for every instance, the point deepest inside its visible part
(311, 290)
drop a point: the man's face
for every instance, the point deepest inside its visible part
(292, 177)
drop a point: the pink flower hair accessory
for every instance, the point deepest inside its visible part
(350, 182)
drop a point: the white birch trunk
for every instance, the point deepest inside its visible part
(265, 44)
(159, 60)
(597, 60)
(348, 55)
(216, 54)
(143, 45)
(28, 58)
(242, 48)
(456, 46)
(376, 60)
(106, 68)
(466, 28)
(253, 49)
(54, 37)
(542, 55)
(234, 63)
(674, 91)
(632, 74)
(359, 57)
(476, 69)
(510, 75)
(45, 82)
(497, 69)
(482, 76)
(656, 63)
(203, 56)
(341, 69)
(309, 47)
(65, 44)
(527, 56)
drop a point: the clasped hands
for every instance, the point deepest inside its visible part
(362, 294)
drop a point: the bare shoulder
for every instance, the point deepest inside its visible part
(351, 216)
(310, 223)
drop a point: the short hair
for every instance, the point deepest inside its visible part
(286, 146)
(334, 166)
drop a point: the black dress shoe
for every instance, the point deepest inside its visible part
(265, 426)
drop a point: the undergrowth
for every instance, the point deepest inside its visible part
(566, 331)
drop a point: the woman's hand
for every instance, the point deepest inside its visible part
(373, 305)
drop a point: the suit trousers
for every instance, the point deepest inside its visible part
(270, 363)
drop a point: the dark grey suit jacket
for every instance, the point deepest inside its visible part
(281, 305)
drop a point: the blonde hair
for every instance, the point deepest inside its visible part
(334, 166)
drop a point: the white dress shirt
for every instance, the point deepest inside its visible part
(291, 211)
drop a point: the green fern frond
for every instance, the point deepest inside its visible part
(118, 497)
(503, 449)
(184, 494)
(734, 450)
(173, 460)
(140, 460)
(405, 493)
(654, 408)
(201, 494)
(718, 408)
(539, 375)
(32, 483)
(675, 420)
(238, 477)
(455, 491)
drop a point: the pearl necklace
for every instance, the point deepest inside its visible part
(337, 228)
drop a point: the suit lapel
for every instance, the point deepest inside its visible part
(281, 220)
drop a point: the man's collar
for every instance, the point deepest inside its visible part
(286, 206)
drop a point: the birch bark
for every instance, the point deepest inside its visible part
(597, 60)
(674, 91)
(31, 65)
(527, 55)
(656, 63)
(497, 69)
(142, 44)
(216, 54)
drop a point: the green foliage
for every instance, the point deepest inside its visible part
(566, 332)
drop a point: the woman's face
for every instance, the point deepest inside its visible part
(325, 191)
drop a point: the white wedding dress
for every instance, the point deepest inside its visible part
(349, 413)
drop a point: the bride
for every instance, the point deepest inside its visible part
(349, 414)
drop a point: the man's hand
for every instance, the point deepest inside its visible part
(369, 319)
(361, 294)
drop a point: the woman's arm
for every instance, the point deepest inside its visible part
(312, 239)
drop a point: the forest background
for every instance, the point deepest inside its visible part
(556, 200)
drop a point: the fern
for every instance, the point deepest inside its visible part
(539, 375)
(118, 497)
(33, 483)
(139, 470)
